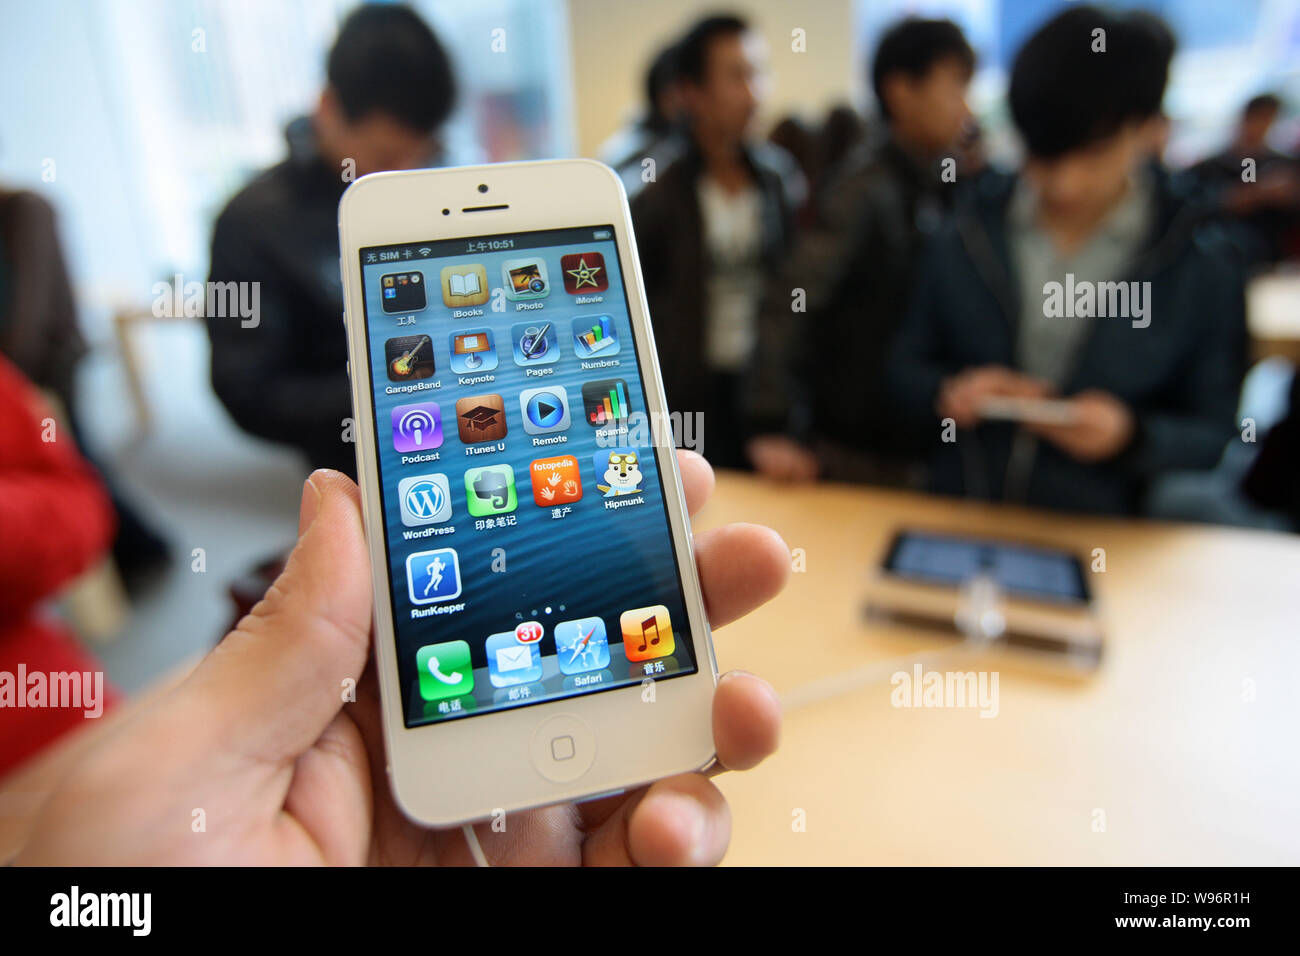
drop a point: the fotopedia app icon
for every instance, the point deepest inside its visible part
(417, 427)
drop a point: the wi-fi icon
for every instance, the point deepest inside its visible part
(425, 251)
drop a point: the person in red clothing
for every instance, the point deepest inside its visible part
(55, 521)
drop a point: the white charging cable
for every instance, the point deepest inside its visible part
(475, 850)
(978, 617)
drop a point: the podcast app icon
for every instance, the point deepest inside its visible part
(417, 427)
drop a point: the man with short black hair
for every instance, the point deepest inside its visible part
(1084, 279)
(710, 228)
(817, 402)
(283, 378)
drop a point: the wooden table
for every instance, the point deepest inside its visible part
(1185, 741)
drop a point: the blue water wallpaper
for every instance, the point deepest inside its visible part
(507, 357)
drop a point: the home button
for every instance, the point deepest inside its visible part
(563, 748)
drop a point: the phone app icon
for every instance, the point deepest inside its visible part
(490, 490)
(544, 409)
(473, 351)
(594, 336)
(618, 472)
(605, 402)
(464, 285)
(402, 292)
(425, 499)
(409, 357)
(433, 576)
(581, 645)
(445, 670)
(535, 343)
(525, 278)
(511, 663)
(584, 272)
(417, 427)
(481, 418)
(647, 633)
(555, 480)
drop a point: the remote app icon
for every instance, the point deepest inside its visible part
(490, 491)
(417, 427)
(647, 633)
(464, 286)
(425, 499)
(525, 278)
(445, 670)
(433, 576)
(544, 409)
(584, 272)
(402, 292)
(481, 418)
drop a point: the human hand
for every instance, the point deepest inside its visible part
(258, 744)
(781, 458)
(1101, 428)
(961, 395)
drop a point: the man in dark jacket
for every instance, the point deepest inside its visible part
(283, 375)
(708, 231)
(817, 398)
(1086, 280)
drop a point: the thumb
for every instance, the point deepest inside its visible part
(274, 683)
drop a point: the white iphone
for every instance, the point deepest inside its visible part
(539, 629)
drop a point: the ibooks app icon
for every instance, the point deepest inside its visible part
(464, 285)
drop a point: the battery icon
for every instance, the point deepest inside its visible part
(602, 234)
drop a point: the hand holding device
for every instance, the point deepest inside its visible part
(260, 740)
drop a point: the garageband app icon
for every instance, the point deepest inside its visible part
(490, 491)
(594, 336)
(425, 499)
(647, 633)
(525, 278)
(581, 645)
(481, 418)
(402, 292)
(417, 427)
(511, 663)
(544, 409)
(464, 285)
(556, 481)
(433, 576)
(535, 343)
(584, 272)
(408, 357)
(618, 472)
(605, 402)
(473, 351)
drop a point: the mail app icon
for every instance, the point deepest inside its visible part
(511, 663)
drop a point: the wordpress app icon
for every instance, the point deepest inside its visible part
(425, 499)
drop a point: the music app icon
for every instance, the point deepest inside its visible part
(647, 633)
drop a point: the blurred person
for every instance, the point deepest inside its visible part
(818, 403)
(1148, 390)
(39, 333)
(1266, 208)
(55, 522)
(389, 89)
(655, 133)
(713, 225)
(260, 734)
